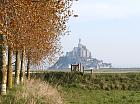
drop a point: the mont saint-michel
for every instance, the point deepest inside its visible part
(82, 55)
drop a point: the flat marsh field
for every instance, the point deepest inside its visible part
(76, 88)
(100, 88)
(85, 96)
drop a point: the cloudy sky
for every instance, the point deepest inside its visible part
(109, 28)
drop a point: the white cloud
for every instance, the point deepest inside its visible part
(101, 10)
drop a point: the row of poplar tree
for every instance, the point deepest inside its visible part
(30, 30)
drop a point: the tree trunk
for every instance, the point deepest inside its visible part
(10, 69)
(17, 67)
(28, 69)
(3, 69)
(22, 71)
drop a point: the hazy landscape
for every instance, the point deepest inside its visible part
(69, 52)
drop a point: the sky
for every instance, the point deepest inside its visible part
(109, 28)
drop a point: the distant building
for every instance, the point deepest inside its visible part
(81, 55)
(80, 51)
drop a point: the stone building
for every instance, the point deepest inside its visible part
(79, 54)
(80, 51)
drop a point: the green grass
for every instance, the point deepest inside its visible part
(77, 88)
(128, 81)
(10, 98)
(78, 95)
(84, 96)
(32, 92)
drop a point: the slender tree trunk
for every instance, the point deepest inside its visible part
(3, 69)
(28, 69)
(17, 67)
(22, 71)
(10, 69)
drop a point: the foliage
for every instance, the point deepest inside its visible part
(36, 25)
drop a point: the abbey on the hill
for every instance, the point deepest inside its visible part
(79, 52)
(78, 55)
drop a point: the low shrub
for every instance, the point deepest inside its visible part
(129, 81)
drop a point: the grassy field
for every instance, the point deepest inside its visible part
(76, 88)
(124, 93)
(84, 96)
(100, 81)
(101, 88)
(32, 92)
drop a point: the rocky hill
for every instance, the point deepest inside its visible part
(78, 55)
